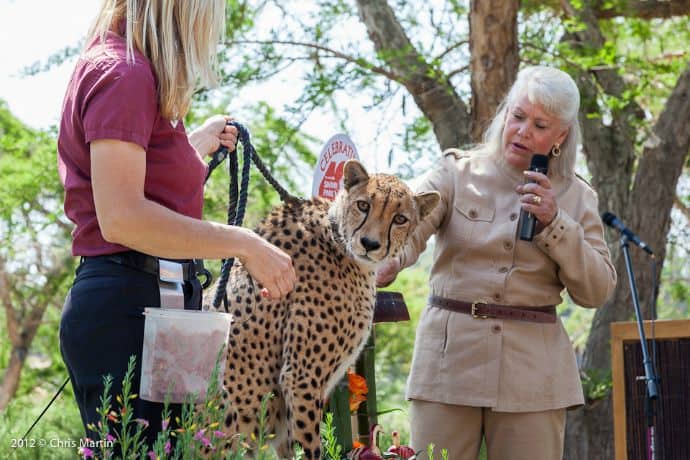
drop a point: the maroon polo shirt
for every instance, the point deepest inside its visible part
(107, 98)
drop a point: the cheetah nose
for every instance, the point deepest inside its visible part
(369, 245)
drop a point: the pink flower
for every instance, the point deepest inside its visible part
(109, 437)
(165, 423)
(218, 434)
(167, 448)
(199, 436)
(152, 455)
(142, 422)
(86, 452)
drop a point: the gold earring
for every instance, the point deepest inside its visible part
(556, 150)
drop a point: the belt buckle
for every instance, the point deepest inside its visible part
(474, 311)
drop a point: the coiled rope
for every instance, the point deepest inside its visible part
(237, 201)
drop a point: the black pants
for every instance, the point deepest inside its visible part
(102, 325)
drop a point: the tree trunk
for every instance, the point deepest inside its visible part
(431, 90)
(494, 57)
(21, 337)
(12, 375)
(24, 315)
(646, 207)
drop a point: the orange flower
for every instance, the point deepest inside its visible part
(356, 444)
(355, 401)
(358, 389)
(356, 383)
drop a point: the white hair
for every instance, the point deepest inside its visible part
(558, 94)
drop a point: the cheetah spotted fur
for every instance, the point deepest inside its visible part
(300, 346)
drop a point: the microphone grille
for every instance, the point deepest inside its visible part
(608, 218)
(539, 161)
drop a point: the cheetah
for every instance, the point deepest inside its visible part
(300, 346)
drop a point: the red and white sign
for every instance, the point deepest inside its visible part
(328, 174)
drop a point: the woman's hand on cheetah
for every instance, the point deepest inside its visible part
(271, 267)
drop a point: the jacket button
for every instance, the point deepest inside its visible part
(513, 216)
(473, 213)
(497, 296)
(496, 328)
(503, 270)
(508, 245)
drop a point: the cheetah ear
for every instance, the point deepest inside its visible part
(354, 174)
(426, 202)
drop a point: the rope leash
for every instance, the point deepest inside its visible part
(237, 206)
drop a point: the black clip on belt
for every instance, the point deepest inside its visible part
(160, 268)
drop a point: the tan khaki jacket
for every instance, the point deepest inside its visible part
(511, 366)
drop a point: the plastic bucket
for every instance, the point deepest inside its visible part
(180, 351)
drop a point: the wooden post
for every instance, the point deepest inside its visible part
(339, 404)
(390, 307)
(367, 412)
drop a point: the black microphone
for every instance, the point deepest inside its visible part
(612, 221)
(528, 223)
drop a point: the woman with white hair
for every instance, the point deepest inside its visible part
(492, 360)
(134, 180)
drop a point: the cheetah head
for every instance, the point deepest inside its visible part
(375, 214)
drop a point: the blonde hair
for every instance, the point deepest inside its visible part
(179, 37)
(558, 94)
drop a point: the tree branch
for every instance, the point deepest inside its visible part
(681, 207)
(361, 62)
(455, 72)
(431, 90)
(662, 164)
(450, 49)
(609, 150)
(642, 9)
(10, 314)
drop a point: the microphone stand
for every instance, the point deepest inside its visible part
(649, 375)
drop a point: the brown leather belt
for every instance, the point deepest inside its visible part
(482, 310)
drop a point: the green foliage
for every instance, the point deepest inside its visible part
(29, 177)
(197, 428)
(596, 383)
(430, 452)
(281, 146)
(649, 63)
(331, 449)
(60, 428)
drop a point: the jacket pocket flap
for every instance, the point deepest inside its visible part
(473, 211)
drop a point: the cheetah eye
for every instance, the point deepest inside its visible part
(399, 219)
(363, 206)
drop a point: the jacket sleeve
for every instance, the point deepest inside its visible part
(579, 249)
(441, 180)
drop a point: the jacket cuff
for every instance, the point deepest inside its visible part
(552, 234)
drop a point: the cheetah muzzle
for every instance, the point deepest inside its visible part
(300, 346)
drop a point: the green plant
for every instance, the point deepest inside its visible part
(332, 450)
(130, 441)
(596, 383)
(197, 432)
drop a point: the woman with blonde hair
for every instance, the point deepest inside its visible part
(492, 360)
(133, 181)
